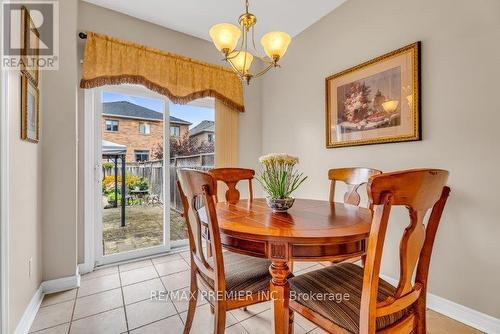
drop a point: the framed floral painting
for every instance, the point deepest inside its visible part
(30, 110)
(375, 102)
(30, 38)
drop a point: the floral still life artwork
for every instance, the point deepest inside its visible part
(280, 179)
(375, 102)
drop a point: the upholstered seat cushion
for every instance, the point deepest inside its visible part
(245, 273)
(343, 278)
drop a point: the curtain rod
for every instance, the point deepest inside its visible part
(82, 35)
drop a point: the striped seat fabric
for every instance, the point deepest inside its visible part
(343, 278)
(245, 273)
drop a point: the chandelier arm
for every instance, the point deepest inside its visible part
(245, 55)
(255, 47)
(238, 49)
(264, 71)
(236, 70)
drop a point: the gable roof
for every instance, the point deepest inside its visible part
(130, 110)
(204, 126)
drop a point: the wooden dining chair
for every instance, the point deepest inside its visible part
(374, 305)
(231, 280)
(353, 177)
(231, 177)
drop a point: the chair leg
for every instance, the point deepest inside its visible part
(290, 321)
(219, 318)
(420, 308)
(192, 301)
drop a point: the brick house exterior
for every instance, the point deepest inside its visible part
(137, 127)
(203, 133)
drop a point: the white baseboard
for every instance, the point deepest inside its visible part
(29, 314)
(85, 268)
(61, 284)
(463, 314)
(52, 286)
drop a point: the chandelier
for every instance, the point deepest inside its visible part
(226, 36)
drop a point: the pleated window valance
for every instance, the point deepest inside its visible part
(110, 61)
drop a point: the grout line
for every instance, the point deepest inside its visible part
(118, 287)
(59, 302)
(73, 313)
(96, 293)
(123, 300)
(92, 315)
(165, 289)
(178, 250)
(44, 329)
(153, 322)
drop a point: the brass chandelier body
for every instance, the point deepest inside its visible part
(226, 36)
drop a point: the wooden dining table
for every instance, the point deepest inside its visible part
(312, 230)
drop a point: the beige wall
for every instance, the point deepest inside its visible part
(59, 146)
(25, 221)
(460, 113)
(101, 20)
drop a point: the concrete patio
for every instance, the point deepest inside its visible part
(144, 228)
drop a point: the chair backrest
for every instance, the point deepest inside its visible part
(353, 177)
(418, 190)
(231, 176)
(192, 185)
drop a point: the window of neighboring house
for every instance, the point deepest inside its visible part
(111, 125)
(210, 137)
(175, 131)
(144, 128)
(141, 155)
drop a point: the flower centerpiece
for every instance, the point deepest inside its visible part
(280, 179)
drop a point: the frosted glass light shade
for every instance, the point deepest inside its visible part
(225, 36)
(241, 61)
(275, 43)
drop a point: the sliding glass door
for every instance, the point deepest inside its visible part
(139, 141)
(132, 189)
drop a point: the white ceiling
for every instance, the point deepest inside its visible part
(195, 17)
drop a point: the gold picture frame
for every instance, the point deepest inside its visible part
(375, 102)
(30, 110)
(30, 37)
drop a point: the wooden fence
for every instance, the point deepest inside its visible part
(152, 172)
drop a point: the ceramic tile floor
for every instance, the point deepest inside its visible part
(117, 300)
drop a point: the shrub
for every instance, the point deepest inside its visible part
(108, 165)
(112, 199)
(131, 182)
(141, 184)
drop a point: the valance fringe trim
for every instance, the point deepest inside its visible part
(139, 80)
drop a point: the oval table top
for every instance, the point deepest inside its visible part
(308, 221)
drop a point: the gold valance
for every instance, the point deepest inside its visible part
(110, 61)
